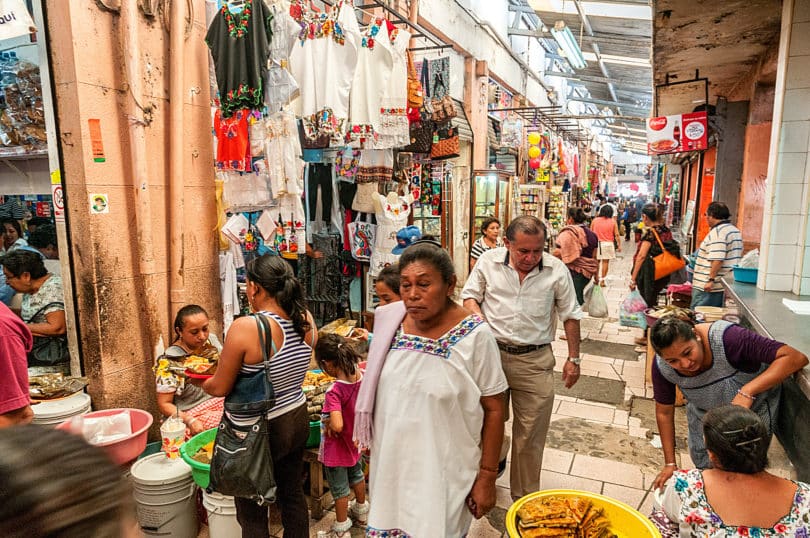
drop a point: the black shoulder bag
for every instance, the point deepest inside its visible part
(48, 350)
(242, 464)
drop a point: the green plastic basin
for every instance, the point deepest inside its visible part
(199, 471)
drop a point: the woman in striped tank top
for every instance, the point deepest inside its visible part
(273, 291)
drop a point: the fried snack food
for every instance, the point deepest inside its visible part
(197, 364)
(315, 379)
(562, 517)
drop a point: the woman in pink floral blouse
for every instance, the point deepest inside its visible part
(737, 497)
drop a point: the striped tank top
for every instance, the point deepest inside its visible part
(288, 366)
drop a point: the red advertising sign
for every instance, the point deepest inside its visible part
(675, 134)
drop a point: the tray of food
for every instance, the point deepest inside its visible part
(47, 387)
(197, 367)
(567, 513)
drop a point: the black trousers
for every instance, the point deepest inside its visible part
(580, 282)
(288, 436)
(320, 175)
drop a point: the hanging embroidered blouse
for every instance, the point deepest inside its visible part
(239, 44)
(323, 63)
(233, 147)
(374, 66)
(283, 148)
(393, 130)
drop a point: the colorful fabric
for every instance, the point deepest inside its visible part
(685, 502)
(240, 44)
(15, 342)
(208, 412)
(428, 413)
(233, 146)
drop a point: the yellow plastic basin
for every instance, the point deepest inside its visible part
(625, 522)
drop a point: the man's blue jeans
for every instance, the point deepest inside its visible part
(706, 298)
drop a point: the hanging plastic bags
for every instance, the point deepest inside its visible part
(598, 306)
(631, 311)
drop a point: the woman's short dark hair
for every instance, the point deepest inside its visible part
(718, 210)
(43, 236)
(276, 277)
(186, 312)
(14, 223)
(389, 275)
(335, 349)
(24, 261)
(668, 330)
(525, 224)
(606, 211)
(738, 438)
(487, 222)
(653, 212)
(55, 484)
(429, 252)
(577, 215)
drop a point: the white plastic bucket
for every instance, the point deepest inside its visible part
(222, 521)
(53, 412)
(165, 496)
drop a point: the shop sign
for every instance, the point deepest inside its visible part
(43, 209)
(675, 134)
(15, 20)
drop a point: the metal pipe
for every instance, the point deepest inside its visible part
(138, 159)
(177, 292)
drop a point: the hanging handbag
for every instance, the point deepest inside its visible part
(421, 133)
(311, 136)
(361, 236)
(666, 263)
(242, 464)
(48, 350)
(415, 95)
(445, 143)
(444, 109)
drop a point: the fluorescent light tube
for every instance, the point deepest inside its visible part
(565, 39)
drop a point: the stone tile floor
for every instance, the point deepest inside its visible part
(614, 473)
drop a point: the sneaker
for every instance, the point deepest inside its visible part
(359, 512)
(341, 530)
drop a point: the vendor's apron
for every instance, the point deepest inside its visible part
(716, 387)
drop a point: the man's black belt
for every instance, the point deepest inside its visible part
(520, 350)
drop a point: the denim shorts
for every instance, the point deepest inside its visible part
(340, 478)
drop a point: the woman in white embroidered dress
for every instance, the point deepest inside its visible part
(438, 416)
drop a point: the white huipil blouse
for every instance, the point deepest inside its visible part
(323, 63)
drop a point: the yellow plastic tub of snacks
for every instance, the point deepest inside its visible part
(624, 521)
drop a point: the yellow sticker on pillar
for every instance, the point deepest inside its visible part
(95, 140)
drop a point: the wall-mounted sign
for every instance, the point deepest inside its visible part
(15, 19)
(674, 134)
(99, 204)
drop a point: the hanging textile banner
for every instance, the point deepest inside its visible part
(674, 134)
(15, 20)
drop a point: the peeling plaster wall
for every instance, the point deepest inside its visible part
(90, 82)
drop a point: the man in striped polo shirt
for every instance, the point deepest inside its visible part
(720, 250)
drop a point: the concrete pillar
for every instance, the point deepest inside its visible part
(732, 118)
(785, 261)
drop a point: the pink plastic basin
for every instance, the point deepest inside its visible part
(124, 450)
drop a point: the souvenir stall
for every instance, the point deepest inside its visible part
(324, 170)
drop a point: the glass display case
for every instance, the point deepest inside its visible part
(490, 198)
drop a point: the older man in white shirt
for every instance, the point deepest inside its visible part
(519, 289)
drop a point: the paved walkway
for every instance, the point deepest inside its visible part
(601, 440)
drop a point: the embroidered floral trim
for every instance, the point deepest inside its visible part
(374, 174)
(696, 511)
(237, 24)
(317, 25)
(242, 97)
(373, 30)
(323, 123)
(386, 533)
(442, 346)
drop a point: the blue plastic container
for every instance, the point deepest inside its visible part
(745, 274)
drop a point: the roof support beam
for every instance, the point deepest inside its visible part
(609, 103)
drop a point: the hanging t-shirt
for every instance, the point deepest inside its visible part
(323, 64)
(239, 44)
(394, 128)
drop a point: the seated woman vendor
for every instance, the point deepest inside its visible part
(175, 395)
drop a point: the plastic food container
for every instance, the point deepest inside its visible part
(747, 275)
(625, 522)
(124, 450)
(200, 472)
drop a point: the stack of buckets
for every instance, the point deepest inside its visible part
(165, 496)
(54, 412)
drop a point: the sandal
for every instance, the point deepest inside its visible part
(341, 530)
(359, 512)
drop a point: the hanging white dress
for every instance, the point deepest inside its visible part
(323, 64)
(374, 65)
(394, 130)
(283, 151)
(390, 219)
(426, 447)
